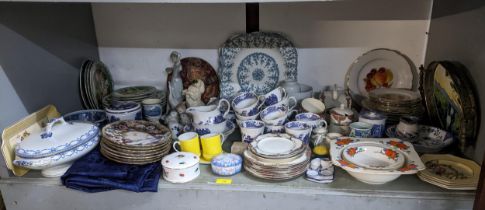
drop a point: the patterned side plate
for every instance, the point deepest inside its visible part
(256, 62)
(136, 133)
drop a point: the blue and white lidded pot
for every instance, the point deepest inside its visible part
(377, 120)
(226, 164)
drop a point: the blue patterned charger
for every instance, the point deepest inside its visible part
(256, 62)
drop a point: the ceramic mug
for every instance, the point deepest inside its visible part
(360, 129)
(274, 129)
(250, 129)
(311, 119)
(408, 126)
(211, 145)
(210, 128)
(152, 109)
(246, 104)
(273, 97)
(313, 105)
(188, 142)
(275, 115)
(299, 130)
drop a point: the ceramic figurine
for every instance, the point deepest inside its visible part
(194, 93)
(172, 120)
(175, 85)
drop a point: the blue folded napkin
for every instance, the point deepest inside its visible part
(95, 173)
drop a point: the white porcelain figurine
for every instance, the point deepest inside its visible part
(175, 85)
(194, 93)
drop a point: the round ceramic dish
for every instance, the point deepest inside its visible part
(226, 164)
(57, 137)
(411, 165)
(380, 68)
(136, 133)
(429, 139)
(372, 156)
(180, 167)
(96, 116)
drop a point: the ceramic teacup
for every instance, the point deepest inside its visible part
(211, 145)
(408, 126)
(313, 105)
(273, 97)
(289, 102)
(249, 117)
(188, 142)
(246, 104)
(299, 130)
(274, 115)
(152, 109)
(274, 129)
(211, 128)
(311, 119)
(250, 129)
(360, 129)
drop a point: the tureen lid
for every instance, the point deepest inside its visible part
(342, 110)
(180, 160)
(58, 136)
(371, 115)
(226, 160)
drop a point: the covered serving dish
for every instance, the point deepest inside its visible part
(375, 160)
(226, 164)
(59, 143)
(180, 167)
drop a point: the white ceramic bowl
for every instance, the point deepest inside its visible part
(374, 178)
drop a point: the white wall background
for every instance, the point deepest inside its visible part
(135, 39)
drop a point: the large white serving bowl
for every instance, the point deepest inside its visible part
(376, 179)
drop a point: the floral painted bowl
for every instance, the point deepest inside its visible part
(371, 175)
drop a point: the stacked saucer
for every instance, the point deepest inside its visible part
(136, 94)
(394, 103)
(450, 172)
(135, 142)
(277, 157)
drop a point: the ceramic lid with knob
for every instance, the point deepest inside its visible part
(180, 160)
(371, 115)
(58, 136)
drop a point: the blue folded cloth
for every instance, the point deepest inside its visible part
(95, 173)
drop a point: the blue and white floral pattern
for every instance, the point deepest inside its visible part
(202, 131)
(257, 72)
(28, 153)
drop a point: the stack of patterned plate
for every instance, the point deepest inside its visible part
(394, 103)
(277, 157)
(136, 94)
(450, 172)
(135, 142)
(94, 84)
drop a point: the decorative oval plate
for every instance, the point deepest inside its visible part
(256, 62)
(452, 101)
(372, 156)
(380, 68)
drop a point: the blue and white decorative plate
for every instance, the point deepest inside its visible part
(256, 62)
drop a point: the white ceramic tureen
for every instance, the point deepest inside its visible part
(56, 146)
(375, 160)
(180, 167)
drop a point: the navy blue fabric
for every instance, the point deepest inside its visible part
(95, 173)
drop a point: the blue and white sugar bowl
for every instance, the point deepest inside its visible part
(377, 120)
(226, 164)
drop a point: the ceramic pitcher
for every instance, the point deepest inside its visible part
(211, 114)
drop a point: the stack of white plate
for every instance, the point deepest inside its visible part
(135, 142)
(95, 83)
(450, 172)
(136, 94)
(277, 157)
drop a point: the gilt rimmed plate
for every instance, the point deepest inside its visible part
(256, 62)
(136, 133)
(380, 68)
(274, 145)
